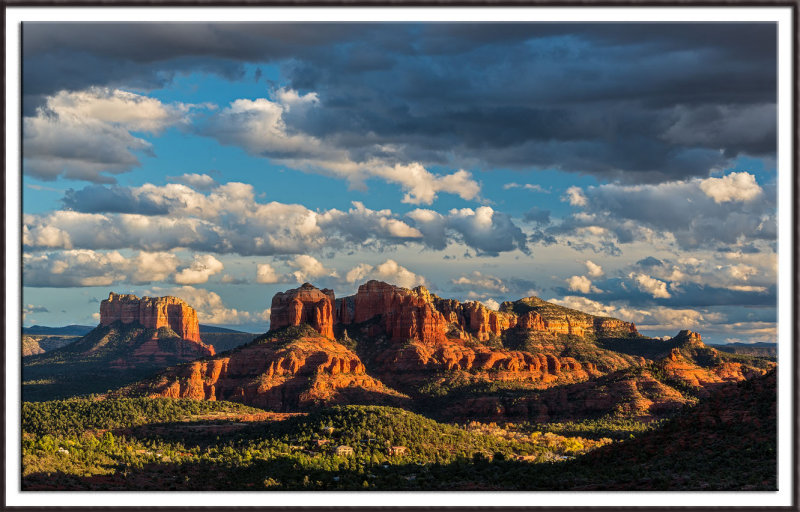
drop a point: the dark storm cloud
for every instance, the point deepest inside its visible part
(650, 262)
(97, 198)
(538, 216)
(640, 102)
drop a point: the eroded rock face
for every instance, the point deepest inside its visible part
(151, 312)
(306, 372)
(399, 313)
(403, 314)
(304, 305)
(416, 362)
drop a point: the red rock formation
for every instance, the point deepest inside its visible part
(416, 314)
(151, 312)
(304, 305)
(401, 314)
(485, 323)
(273, 376)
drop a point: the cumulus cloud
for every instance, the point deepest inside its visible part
(660, 318)
(580, 284)
(683, 211)
(82, 267)
(86, 135)
(229, 219)
(308, 267)
(484, 229)
(261, 127)
(647, 284)
(594, 270)
(736, 186)
(594, 307)
(153, 266)
(389, 271)
(491, 304)
(265, 274)
(575, 197)
(195, 181)
(203, 266)
(479, 281)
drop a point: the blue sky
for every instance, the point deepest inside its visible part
(626, 170)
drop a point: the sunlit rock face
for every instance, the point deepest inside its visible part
(304, 305)
(151, 312)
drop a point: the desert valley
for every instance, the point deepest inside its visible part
(392, 388)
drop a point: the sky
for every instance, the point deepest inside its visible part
(626, 170)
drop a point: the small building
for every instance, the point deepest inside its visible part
(321, 442)
(328, 430)
(397, 450)
(344, 451)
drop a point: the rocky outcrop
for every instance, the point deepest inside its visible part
(304, 305)
(416, 362)
(402, 314)
(397, 313)
(310, 371)
(152, 313)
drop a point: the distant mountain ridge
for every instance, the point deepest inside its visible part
(67, 330)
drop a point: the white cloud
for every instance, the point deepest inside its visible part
(260, 127)
(308, 267)
(196, 181)
(527, 186)
(736, 186)
(83, 267)
(594, 270)
(85, 135)
(593, 307)
(153, 266)
(668, 319)
(491, 304)
(265, 274)
(741, 272)
(229, 219)
(691, 213)
(575, 196)
(200, 270)
(580, 284)
(480, 281)
(74, 268)
(389, 271)
(647, 284)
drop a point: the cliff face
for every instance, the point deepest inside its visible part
(151, 312)
(304, 305)
(309, 371)
(403, 314)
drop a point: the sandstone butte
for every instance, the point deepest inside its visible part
(155, 313)
(151, 312)
(304, 305)
(418, 315)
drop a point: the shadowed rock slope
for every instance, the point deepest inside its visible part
(135, 338)
(289, 369)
